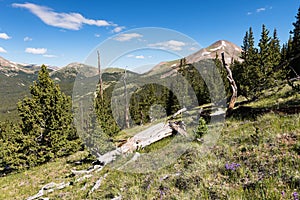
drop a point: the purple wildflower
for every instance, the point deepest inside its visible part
(232, 166)
(295, 195)
(282, 193)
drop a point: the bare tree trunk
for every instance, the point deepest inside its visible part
(100, 76)
(232, 84)
(126, 102)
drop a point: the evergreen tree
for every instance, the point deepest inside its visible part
(245, 47)
(289, 48)
(13, 144)
(295, 44)
(248, 72)
(275, 58)
(264, 55)
(47, 121)
(252, 51)
(296, 35)
(275, 49)
(104, 113)
(293, 53)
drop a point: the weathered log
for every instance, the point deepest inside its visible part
(145, 138)
(178, 112)
(177, 128)
(48, 188)
(117, 198)
(86, 171)
(98, 183)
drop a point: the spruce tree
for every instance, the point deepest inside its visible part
(252, 51)
(245, 47)
(296, 35)
(295, 51)
(264, 54)
(248, 72)
(47, 121)
(275, 58)
(104, 113)
(275, 49)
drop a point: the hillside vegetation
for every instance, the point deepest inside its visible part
(256, 156)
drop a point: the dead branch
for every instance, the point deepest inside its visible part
(100, 76)
(86, 171)
(232, 84)
(48, 188)
(126, 101)
(98, 183)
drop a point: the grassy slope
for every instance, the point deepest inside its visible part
(267, 148)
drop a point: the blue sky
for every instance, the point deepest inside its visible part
(60, 32)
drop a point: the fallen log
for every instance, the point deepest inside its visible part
(95, 167)
(140, 140)
(178, 128)
(48, 188)
(147, 137)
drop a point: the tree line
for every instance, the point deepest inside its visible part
(268, 64)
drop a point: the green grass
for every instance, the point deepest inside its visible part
(277, 97)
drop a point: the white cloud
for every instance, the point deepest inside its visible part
(137, 57)
(140, 57)
(49, 56)
(2, 50)
(173, 45)
(260, 9)
(118, 29)
(97, 35)
(36, 50)
(72, 21)
(27, 39)
(4, 36)
(127, 36)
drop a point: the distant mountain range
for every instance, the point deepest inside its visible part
(15, 78)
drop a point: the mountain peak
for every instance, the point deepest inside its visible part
(231, 52)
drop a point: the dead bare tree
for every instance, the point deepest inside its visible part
(100, 76)
(232, 84)
(126, 101)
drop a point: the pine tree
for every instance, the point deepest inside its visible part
(275, 49)
(296, 35)
(104, 113)
(264, 55)
(295, 51)
(252, 51)
(245, 47)
(248, 72)
(275, 58)
(47, 121)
